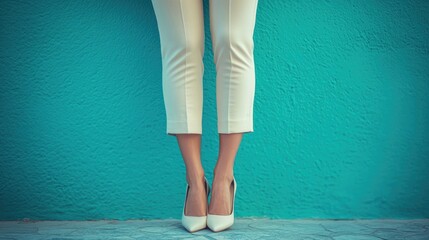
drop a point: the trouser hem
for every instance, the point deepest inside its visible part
(235, 126)
(183, 127)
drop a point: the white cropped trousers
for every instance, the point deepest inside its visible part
(181, 30)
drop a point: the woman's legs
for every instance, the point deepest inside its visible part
(181, 29)
(232, 25)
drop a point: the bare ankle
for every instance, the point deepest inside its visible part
(195, 179)
(223, 176)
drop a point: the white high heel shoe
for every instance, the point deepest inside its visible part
(221, 222)
(194, 223)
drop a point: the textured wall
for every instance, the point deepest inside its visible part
(341, 112)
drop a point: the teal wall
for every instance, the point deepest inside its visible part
(341, 112)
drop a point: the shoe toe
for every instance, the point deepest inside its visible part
(194, 223)
(219, 222)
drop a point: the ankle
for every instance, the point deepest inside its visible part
(224, 176)
(195, 179)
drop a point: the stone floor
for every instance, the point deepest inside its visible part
(243, 228)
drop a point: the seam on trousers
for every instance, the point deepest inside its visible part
(186, 63)
(230, 56)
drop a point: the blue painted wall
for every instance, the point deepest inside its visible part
(341, 112)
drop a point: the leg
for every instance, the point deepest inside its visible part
(232, 26)
(181, 30)
(190, 145)
(222, 191)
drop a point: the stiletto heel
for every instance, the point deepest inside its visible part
(195, 223)
(221, 222)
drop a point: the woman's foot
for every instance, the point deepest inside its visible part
(222, 193)
(196, 204)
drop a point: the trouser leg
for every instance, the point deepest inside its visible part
(232, 25)
(181, 30)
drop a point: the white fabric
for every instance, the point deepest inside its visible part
(181, 30)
